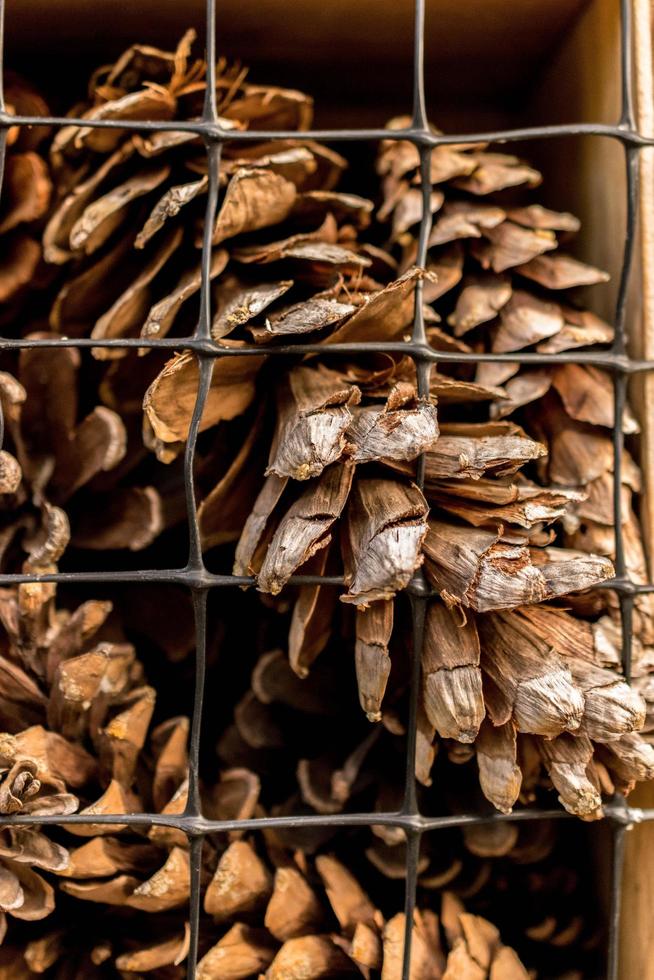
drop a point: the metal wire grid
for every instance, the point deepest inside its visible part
(201, 582)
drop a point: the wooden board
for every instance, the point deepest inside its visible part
(303, 32)
(350, 53)
(588, 88)
(587, 174)
(637, 919)
(643, 297)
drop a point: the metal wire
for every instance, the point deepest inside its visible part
(196, 577)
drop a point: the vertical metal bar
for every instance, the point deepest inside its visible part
(627, 118)
(195, 558)
(419, 103)
(210, 112)
(418, 609)
(613, 952)
(193, 806)
(632, 174)
(195, 861)
(195, 562)
(419, 587)
(425, 223)
(203, 327)
(205, 371)
(412, 854)
(418, 335)
(410, 802)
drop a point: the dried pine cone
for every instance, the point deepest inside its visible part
(125, 225)
(26, 194)
(130, 212)
(495, 539)
(75, 713)
(294, 919)
(503, 280)
(66, 468)
(328, 926)
(572, 724)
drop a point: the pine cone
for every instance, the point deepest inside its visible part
(503, 286)
(130, 213)
(313, 754)
(63, 469)
(269, 910)
(75, 714)
(303, 900)
(127, 223)
(490, 544)
(26, 193)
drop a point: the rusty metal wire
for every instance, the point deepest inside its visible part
(200, 581)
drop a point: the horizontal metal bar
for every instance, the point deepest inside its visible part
(191, 577)
(641, 815)
(618, 363)
(194, 825)
(211, 132)
(624, 586)
(194, 578)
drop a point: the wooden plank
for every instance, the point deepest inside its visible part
(468, 47)
(643, 296)
(588, 176)
(587, 173)
(636, 933)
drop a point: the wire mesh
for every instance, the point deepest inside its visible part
(200, 581)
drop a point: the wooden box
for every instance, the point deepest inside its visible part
(490, 65)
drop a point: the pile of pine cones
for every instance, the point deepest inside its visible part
(306, 464)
